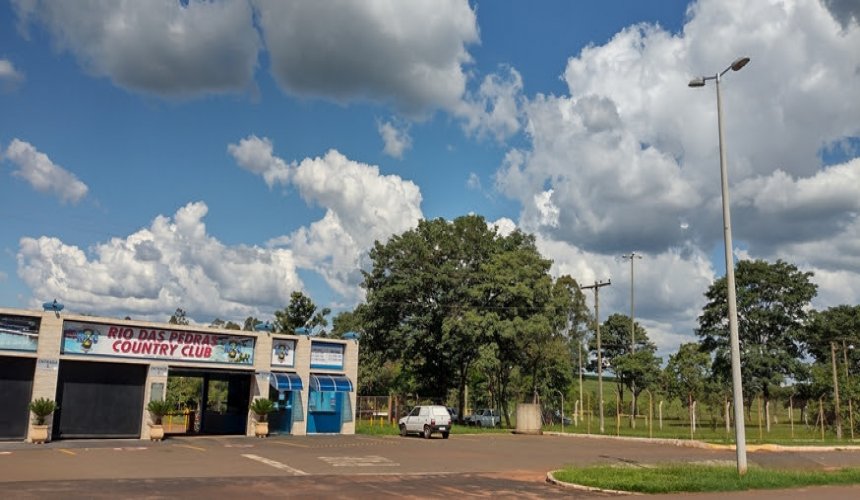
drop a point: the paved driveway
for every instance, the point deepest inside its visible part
(340, 466)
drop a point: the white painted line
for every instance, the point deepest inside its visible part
(5, 452)
(366, 461)
(276, 464)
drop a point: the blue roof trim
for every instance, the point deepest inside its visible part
(286, 382)
(331, 383)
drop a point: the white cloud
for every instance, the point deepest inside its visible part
(410, 54)
(255, 155)
(473, 182)
(9, 76)
(504, 226)
(395, 137)
(173, 263)
(631, 151)
(42, 174)
(160, 46)
(494, 109)
(362, 206)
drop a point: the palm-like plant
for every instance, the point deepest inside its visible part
(159, 409)
(262, 407)
(41, 408)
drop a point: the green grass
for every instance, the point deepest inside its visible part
(700, 478)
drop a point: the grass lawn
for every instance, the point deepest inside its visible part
(700, 478)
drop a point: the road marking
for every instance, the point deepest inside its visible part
(284, 443)
(238, 445)
(191, 447)
(366, 461)
(276, 464)
(67, 452)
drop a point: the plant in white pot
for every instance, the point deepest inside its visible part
(158, 409)
(41, 409)
(262, 407)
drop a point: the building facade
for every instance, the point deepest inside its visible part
(102, 372)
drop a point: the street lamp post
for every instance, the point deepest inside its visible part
(737, 389)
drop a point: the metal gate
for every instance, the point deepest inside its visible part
(16, 387)
(101, 400)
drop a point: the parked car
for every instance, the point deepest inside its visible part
(485, 418)
(453, 412)
(425, 420)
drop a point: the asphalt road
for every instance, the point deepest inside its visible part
(487, 465)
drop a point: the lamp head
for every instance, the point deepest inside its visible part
(697, 82)
(740, 63)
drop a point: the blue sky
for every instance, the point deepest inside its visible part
(217, 156)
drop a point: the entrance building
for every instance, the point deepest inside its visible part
(102, 372)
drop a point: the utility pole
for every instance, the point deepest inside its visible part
(596, 287)
(836, 390)
(631, 257)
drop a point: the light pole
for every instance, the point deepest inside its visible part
(737, 389)
(631, 257)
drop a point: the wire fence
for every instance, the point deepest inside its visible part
(779, 420)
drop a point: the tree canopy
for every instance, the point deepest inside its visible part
(772, 300)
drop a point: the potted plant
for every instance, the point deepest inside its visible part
(41, 408)
(262, 407)
(158, 409)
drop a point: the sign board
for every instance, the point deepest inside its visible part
(284, 352)
(47, 364)
(327, 355)
(19, 333)
(157, 371)
(151, 343)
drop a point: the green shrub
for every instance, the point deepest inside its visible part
(41, 408)
(262, 407)
(158, 409)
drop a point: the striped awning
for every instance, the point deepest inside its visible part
(330, 383)
(286, 382)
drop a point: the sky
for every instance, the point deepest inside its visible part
(217, 156)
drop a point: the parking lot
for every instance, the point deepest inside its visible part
(340, 466)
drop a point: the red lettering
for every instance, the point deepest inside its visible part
(127, 333)
(173, 336)
(115, 346)
(112, 331)
(161, 335)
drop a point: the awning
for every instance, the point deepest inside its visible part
(330, 383)
(286, 382)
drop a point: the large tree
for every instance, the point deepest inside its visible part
(440, 294)
(688, 374)
(634, 370)
(302, 313)
(772, 300)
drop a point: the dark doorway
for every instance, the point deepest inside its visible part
(16, 387)
(99, 400)
(217, 402)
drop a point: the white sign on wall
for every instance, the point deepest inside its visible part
(327, 355)
(284, 352)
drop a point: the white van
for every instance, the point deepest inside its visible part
(426, 420)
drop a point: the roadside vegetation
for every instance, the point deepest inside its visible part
(690, 478)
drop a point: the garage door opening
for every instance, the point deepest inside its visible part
(210, 402)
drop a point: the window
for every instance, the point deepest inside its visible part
(322, 401)
(414, 412)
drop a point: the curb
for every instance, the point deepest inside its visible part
(550, 478)
(686, 443)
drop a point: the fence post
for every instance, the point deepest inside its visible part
(660, 411)
(617, 414)
(821, 415)
(758, 401)
(791, 413)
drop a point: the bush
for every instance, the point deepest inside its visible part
(41, 408)
(158, 409)
(262, 407)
